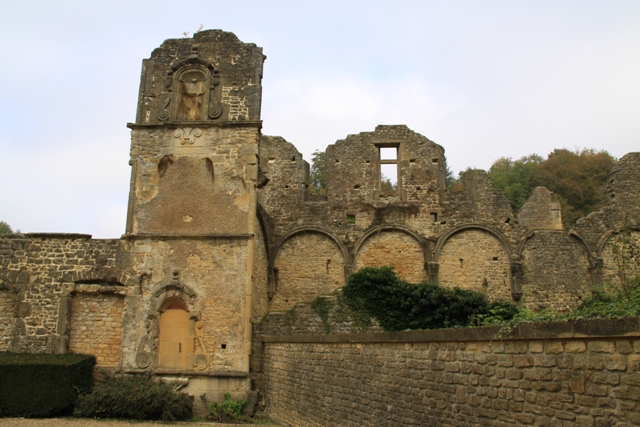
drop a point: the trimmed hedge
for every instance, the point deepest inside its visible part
(43, 385)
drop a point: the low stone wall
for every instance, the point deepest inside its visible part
(561, 374)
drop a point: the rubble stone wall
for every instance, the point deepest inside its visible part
(582, 374)
(556, 271)
(307, 264)
(96, 327)
(393, 249)
(38, 273)
(477, 260)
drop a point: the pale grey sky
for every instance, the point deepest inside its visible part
(484, 79)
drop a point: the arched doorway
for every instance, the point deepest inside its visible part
(175, 335)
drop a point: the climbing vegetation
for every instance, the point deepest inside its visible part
(398, 305)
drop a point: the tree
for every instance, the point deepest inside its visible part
(5, 228)
(450, 178)
(515, 178)
(318, 177)
(578, 179)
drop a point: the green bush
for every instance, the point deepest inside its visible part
(228, 411)
(43, 385)
(398, 305)
(135, 397)
(612, 304)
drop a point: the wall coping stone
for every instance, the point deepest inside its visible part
(198, 124)
(58, 235)
(575, 329)
(242, 236)
(173, 372)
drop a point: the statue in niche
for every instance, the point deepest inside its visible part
(192, 89)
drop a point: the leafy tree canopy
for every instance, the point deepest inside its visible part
(515, 177)
(318, 177)
(5, 228)
(577, 179)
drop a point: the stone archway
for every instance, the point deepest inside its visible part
(175, 335)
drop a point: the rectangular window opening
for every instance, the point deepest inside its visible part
(388, 178)
(388, 155)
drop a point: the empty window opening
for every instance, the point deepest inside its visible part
(434, 216)
(293, 158)
(388, 178)
(223, 346)
(412, 160)
(388, 168)
(495, 258)
(388, 153)
(356, 186)
(434, 160)
(461, 262)
(351, 219)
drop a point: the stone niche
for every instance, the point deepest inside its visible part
(210, 77)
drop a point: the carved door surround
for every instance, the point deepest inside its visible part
(190, 93)
(174, 331)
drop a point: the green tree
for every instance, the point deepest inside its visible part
(318, 177)
(450, 178)
(515, 177)
(578, 179)
(5, 228)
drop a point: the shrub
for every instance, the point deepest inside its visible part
(398, 305)
(135, 397)
(43, 385)
(228, 411)
(612, 304)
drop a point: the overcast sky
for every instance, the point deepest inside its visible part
(484, 79)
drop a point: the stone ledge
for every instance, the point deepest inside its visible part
(199, 124)
(243, 236)
(215, 374)
(58, 235)
(576, 329)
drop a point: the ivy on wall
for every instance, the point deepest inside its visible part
(398, 305)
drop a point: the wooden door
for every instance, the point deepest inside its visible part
(175, 340)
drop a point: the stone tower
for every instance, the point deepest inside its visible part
(191, 222)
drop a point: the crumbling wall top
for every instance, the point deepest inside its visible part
(212, 77)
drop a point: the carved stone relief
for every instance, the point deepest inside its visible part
(189, 92)
(147, 346)
(192, 90)
(187, 136)
(175, 298)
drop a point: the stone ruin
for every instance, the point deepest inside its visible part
(222, 230)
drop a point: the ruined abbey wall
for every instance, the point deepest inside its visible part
(467, 237)
(226, 244)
